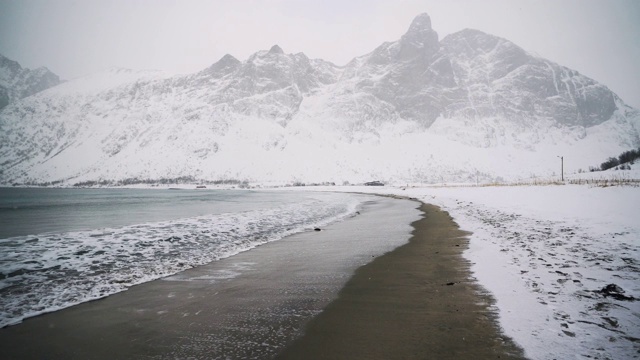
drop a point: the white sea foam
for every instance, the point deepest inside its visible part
(48, 272)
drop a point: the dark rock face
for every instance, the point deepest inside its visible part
(17, 82)
(226, 65)
(420, 41)
(403, 74)
(4, 97)
(474, 75)
(501, 79)
(269, 84)
(275, 49)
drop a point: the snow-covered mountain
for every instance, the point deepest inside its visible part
(469, 107)
(17, 82)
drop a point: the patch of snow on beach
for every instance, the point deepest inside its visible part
(563, 263)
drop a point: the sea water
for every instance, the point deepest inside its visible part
(60, 247)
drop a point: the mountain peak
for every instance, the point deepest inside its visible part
(226, 64)
(229, 58)
(17, 82)
(227, 61)
(275, 49)
(420, 23)
(419, 40)
(5, 62)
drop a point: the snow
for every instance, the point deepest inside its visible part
(481, 109)
(109, 79)
(493, 114)
(473, 108)
(544, 252)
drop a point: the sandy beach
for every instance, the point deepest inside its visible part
(297, 298)
(417, 302)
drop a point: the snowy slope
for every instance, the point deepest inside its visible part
(470, 107)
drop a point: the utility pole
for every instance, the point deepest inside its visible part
(561, 167)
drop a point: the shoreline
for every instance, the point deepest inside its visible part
(414, 300)
(246, 306)
(418, 301)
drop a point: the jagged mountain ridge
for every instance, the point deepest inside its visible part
(17, 82)
(417, 109)
(471, 74)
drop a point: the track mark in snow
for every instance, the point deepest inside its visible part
(565, 264)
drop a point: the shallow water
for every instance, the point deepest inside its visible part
(60, 247)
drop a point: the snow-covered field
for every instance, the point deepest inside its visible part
(546, 253)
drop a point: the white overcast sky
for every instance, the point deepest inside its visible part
(599, 38)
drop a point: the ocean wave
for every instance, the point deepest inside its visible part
(47, 272)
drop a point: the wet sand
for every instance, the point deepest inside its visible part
(417, 302)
